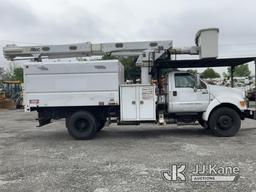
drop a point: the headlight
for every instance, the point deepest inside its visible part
(242, 103)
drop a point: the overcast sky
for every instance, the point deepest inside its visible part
(28, 22)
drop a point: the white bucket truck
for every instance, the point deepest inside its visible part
(90, 93)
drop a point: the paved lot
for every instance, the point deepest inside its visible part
(119, 159)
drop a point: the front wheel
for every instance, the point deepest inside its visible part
(225, 122)
(82, 125)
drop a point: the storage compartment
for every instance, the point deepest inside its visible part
(88, 83)
(138, 103)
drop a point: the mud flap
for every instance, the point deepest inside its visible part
(43, 118)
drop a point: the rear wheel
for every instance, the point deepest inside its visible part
(82, 125)
(225, 122)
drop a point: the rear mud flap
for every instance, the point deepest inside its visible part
(44, 118)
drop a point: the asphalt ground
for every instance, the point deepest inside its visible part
(126, 158)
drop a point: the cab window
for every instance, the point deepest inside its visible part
(184, 80)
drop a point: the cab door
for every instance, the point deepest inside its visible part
(183, 95)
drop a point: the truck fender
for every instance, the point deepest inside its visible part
(218, 101)
(214, 103)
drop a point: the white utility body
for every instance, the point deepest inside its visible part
(90, 93)
(73, 84)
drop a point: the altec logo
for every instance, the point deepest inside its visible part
(201, 173)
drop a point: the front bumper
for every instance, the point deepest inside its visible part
(250, 113)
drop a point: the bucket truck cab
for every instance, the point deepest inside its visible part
(184, 95)
(218, 108)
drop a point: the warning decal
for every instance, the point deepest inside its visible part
(147, 93)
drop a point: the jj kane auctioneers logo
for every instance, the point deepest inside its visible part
(201, 173)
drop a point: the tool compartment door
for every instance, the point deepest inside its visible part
(128, 103)
(137, 102)
(146, 103)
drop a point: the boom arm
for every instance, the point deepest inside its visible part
(146, 51)
(206, 46)
(12, 52)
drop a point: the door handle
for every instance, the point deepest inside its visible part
(141, 102)
(174, 93)
(133, 102)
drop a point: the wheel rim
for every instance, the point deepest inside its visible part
(225, 122)
(82, 125)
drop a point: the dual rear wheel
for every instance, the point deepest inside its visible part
(83, 125)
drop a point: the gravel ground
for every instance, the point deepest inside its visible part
(127, 158)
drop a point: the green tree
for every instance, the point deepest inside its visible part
(18, 74)
(131, 71)
(240, 71)
(194, 72)
(14, 73)
(209, 73)
(225, 75)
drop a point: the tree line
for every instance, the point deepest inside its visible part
(13, 73)
(210, 73)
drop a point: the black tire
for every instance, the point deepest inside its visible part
(203, 123)
(101, 124)
(82, 125)
(225, 122)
